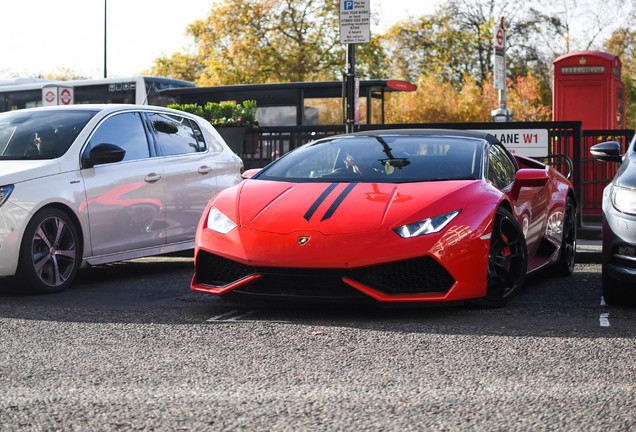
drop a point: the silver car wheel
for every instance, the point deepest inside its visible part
(50, 256)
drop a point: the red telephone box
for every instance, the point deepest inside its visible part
(588, 87)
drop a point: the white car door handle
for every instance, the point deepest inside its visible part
(152, 178)
(204, 169)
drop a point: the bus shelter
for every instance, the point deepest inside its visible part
(287, 101)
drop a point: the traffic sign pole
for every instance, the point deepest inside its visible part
(350, 75)
(501, 114)
(354, 29)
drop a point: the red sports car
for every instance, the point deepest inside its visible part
(393, 215)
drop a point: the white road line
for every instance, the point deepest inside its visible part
(604, 320)
(235, 316)
(217, 317)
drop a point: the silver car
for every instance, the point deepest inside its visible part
(102, 183)
(619, 222)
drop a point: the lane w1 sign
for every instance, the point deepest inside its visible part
(524, 142)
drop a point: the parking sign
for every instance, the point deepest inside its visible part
(355, 19)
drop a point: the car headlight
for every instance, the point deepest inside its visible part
(5, 191)
(426, 226)
(218, 222)
(624, 199)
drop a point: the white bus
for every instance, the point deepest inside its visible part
(27, 93)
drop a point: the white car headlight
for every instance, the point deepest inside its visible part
(5, 191)
(426, 226)
(218, 222)
(624, 199)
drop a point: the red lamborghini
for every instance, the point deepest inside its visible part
(393, 215)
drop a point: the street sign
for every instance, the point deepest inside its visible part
(53, 94)
(66, 95)
(499, 42)
(524, 142)
(49, 95)
(355, 21)
(500, 37)
(500, 72)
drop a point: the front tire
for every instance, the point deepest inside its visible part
(565, 265)
(50, 254)
(613, 292)
(507, 260)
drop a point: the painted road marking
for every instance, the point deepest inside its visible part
(231, 316)
(235, 316)
(604, 320)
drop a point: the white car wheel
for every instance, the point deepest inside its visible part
(50, 255)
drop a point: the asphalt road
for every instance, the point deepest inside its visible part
(130, 348)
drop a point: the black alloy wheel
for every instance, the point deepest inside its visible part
(565, 265)
(507, 260)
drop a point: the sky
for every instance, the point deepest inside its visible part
(42, 36)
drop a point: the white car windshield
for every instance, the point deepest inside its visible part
(45, 134)
(385, 158)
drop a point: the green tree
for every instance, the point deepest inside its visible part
(448, 53)
(455, 42)
(436, 45)
(186, 67)
(547, 29)
(439, 101)
(267, 41)
(623, 44)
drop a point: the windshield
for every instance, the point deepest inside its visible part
(45, 134)
(386, 158)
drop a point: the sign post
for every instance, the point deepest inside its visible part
(354, 28)
(501, 114)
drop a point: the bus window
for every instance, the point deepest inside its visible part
(12, 100)
(130, 90)
(155, 84)
(122, 92)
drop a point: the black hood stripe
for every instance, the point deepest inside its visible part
(338, 201)
(319, 201)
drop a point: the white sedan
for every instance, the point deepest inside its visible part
(102, 183)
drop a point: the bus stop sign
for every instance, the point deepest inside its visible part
(499, 43)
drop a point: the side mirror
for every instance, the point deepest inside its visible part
(250, 173)
(607, 152)
(102, 154)
(529, 177)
